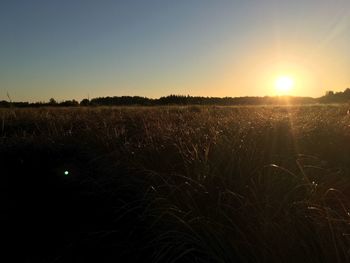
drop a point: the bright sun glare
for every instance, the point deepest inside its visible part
(284, 85)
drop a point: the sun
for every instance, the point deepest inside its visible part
(283, 85)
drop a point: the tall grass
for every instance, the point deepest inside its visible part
(181, 184)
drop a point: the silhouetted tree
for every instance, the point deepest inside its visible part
(52, 102)
(69, 103)
(85, 102)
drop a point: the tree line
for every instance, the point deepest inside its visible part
(336, 97)
(168, 100)
(329, 97)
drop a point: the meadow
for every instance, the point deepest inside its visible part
(176, 184)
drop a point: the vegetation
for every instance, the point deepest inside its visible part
(176, 184)
(336, 97)
(330, 97)
(168, 100)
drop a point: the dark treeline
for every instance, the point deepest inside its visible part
(336, 97)
(193, 100)
(330, 97)
(227, 101)
(52, 102)
(168, 100)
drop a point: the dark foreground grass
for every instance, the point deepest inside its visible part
(176, 184)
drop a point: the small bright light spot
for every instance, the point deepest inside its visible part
(283, 85)
(66, 173)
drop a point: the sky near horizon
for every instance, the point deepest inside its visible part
(71, 49)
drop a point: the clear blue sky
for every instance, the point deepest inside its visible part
(71, 48)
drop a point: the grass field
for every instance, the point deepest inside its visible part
(176, 184)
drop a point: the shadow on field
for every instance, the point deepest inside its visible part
(176, 185)
(60, 206)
